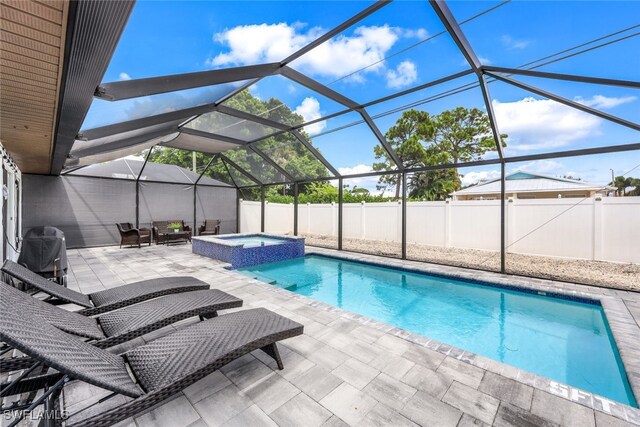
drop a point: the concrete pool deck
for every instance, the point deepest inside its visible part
(350, 370)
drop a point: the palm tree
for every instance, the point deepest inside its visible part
(621, 183)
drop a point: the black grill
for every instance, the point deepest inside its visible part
(44, 251)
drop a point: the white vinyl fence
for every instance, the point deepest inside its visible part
(606, 229)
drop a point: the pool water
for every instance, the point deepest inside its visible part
(252, 241)
(566, 341)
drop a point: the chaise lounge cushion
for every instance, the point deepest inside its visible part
(223, 339)
(36, 338)
(65, 320)
(110, 299)
(136, 290)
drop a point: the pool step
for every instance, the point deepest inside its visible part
(274, 282)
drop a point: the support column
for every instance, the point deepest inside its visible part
(447, 222)
(363, 219)
(502, 220)
(295, 209)
(238, 194)
(340, 183)
(262, 208)
(195, 202)
(404, 215)
(598, 222)
(137, 204)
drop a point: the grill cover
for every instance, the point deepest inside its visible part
(44, 251)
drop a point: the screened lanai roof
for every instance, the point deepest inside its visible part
(313, 105)
(138, 169)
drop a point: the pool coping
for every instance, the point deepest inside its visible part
(625, 331)
(220, 238)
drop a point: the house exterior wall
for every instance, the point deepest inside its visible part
(528, 195)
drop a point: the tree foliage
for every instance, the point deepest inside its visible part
(283, 148)
(623, 183)
(419, 139)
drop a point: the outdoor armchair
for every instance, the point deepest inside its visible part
(209, 228)
(120, 326)
(107, 300)
(161, 368)
(133, 236)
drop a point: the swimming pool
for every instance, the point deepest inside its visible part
(565, 340)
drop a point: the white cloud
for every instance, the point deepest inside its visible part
(252, 44)
(470, 178)
(354, 170)
(420, 33)
(291, 88)
(484, 60)
(511, 43)
(539, 123)
(125, 76)
(367, 182)
(309, 109)
(405, 74)
(605, 102)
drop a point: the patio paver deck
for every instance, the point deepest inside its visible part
(346, 369)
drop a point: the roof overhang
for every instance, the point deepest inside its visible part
(53, 57)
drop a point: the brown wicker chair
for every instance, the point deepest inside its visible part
(133, 236)
(210, 228)
(159, 227)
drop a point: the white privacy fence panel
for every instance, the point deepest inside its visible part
(554, 227)
(426, 223)
(605, 229)
(474, 224)
(250, 217)
(278, 218)
(619, 236)
(318, 219)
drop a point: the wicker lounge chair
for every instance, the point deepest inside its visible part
(162, 368)
(122, 325)
(133, 236)
(110, 299)
(211, 227)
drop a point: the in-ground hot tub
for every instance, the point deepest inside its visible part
(247, 249)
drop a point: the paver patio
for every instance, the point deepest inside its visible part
(345, 369)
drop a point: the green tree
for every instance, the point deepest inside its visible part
(433, 185)
(454, 136)
(621, 183)
(182, 158)
(635, 182)
(284, 149)
(405, 139)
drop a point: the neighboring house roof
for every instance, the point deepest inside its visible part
(523, 182)
(130, 169)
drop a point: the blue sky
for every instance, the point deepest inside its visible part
(173, 37)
